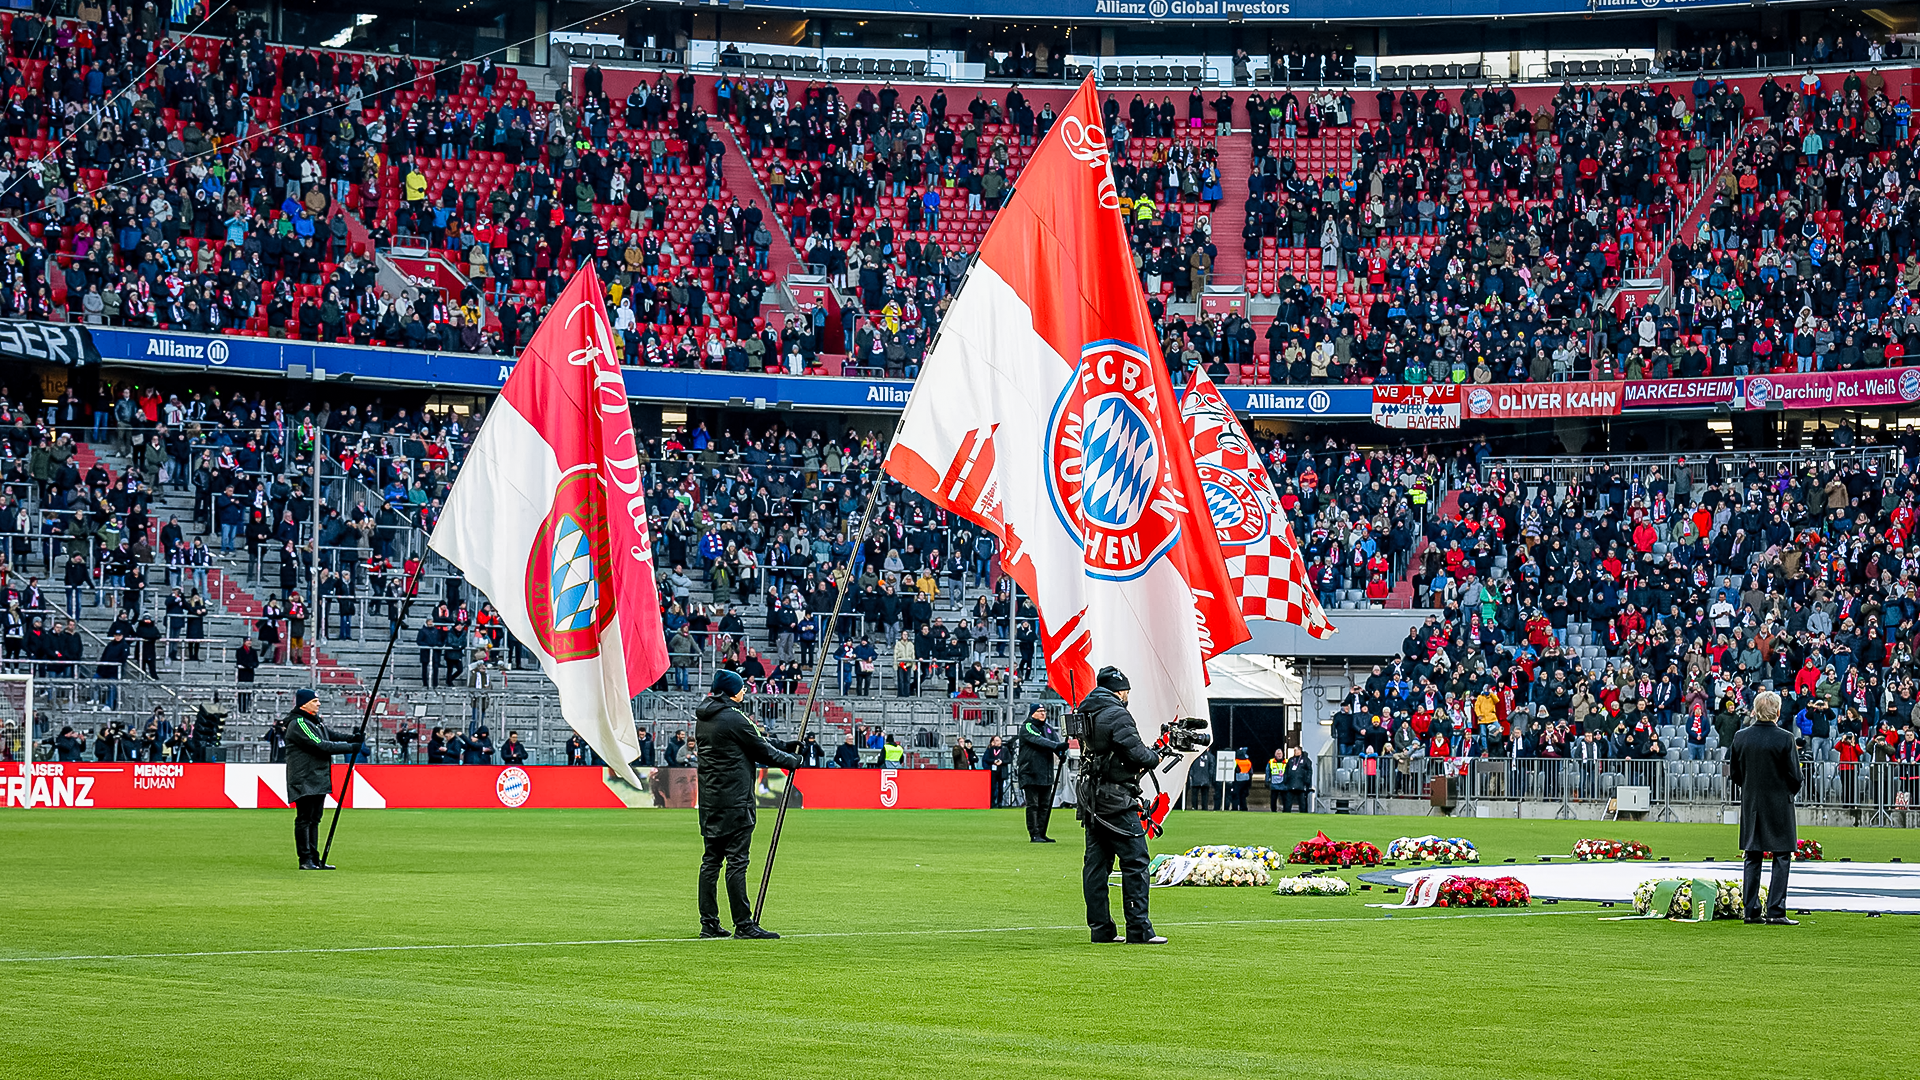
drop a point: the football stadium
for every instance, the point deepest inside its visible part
(1170, 538)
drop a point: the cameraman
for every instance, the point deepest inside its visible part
(1109, 810)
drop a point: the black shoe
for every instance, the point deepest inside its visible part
(1751, 920)
(1106, 940)
(713, 930)
(308, 864)
(1154, 940)
(1781, 920)
(323, 866)
(1046, 840)
(754, 932)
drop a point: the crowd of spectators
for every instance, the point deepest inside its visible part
(1809, 254)
(1458, 236)
(1635, 615)
(1742, 51)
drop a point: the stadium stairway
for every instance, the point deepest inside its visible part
(1402, 594)
(1698, 215)
(232, 607)
(1230, 217)
(744, 183)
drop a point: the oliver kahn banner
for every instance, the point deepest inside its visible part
(163, 785)
(1521, 401)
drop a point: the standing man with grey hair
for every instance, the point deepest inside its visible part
(1765, 767)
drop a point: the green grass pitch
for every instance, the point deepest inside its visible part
(935, 944)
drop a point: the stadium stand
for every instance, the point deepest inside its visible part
(1693, 222)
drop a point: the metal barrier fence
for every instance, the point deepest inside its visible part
(1876, 789)
(925, 728)
(1571, 469)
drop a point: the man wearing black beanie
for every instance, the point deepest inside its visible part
(1108, 805)
(310, 749)
(730, 748)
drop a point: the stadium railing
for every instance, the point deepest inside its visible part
(926, 727)
(1874, 788)
(1563, 469)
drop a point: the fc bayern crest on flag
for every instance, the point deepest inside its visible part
(570, 597)
(1107, 474)
(1239, 513)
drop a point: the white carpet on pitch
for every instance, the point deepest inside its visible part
(1893, 888)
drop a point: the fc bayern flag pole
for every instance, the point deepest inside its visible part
(373, 695)
(813, 684)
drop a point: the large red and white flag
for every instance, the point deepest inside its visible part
(548, 518)
(1045, 413)
(1263, 557)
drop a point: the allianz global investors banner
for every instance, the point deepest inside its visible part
(1527, 400)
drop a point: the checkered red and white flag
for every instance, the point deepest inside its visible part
(1263, 557)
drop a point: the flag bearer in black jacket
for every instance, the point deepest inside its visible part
(730, 750)
(310, 749)
(1038, 745)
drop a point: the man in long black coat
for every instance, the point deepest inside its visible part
(310, 749)
(731, 750)
(1108, 804)
(1765, 767)
(1035, 764)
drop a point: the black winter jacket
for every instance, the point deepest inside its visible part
(310, 749)
(1118, 758)
(730, 749)
(1038, 745)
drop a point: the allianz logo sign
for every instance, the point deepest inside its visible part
(1318, 401)
(213, 352)
(886, 395)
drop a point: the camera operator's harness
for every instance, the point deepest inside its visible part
(1181, 736)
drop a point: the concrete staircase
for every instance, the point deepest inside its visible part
(743, 184)
(1448, 509)
(1230, 217)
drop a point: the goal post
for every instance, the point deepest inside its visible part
(16, 715)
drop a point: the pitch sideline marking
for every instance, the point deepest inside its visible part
(462, 946)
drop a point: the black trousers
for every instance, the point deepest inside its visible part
(1776, 889)
(1105, 844)
(732, 848)
(306, 826)
(1200, 798)
(1039, 809)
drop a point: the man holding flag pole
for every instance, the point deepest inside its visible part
(1044, 414)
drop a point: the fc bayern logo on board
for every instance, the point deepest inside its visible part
(1238, 514)
(569, 576)
(1108, 476)
(1479, 401)
(1758, 392)
(1910, 385)
(513, 787)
